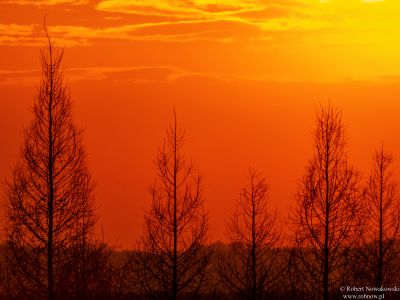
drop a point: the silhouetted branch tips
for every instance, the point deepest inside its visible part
(46, 32)
(50, 216)
(328, 210)
(250, 267)
(378, 248)
(172, 258)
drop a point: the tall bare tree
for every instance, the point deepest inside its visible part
(250, 267)
(326, 216)
(379, 253)
(171, 261)
(49, 208)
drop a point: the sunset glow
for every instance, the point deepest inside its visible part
(244, 77)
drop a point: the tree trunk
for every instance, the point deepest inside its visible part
(380, 257)
(326, 245)
(50, 276)
(175, 257)
(253, 250)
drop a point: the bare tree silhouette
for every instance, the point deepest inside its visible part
(251, 267)
(49, 207)
(171, 261)
(326, 217)
(379, 254)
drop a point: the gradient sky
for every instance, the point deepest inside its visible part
(244, 76)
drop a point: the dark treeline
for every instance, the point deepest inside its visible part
(344, 231)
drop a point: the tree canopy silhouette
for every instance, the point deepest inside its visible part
(171, 261)
(49, 207)
(380, 234)
(327, 211)
(250, 267)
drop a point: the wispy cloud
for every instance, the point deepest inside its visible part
(71, 35)
(15, 34)
(159, 74)
(20, 77)
(16, 30)
(256, 18)
(137, 33)
(31, 35)
(171, 21)
(179, 9)
(191, 21)
(135, 75)
(218, 27)
(45, 2)
(269, 15)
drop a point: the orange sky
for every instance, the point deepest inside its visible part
(244, 76)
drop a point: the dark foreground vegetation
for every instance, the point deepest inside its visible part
(116, 279)
(344, 232)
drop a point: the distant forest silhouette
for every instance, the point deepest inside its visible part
(346, 232)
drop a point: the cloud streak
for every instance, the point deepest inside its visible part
(283, 38)
(45, 2)
(220, 21)
(16, 30)
(267, 15)
(134, 75)
(199, 9)
(144, 75)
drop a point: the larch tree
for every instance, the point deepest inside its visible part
(250, 267)
(379, 252)
(49, 203)
(327, 211)
(172, 258)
